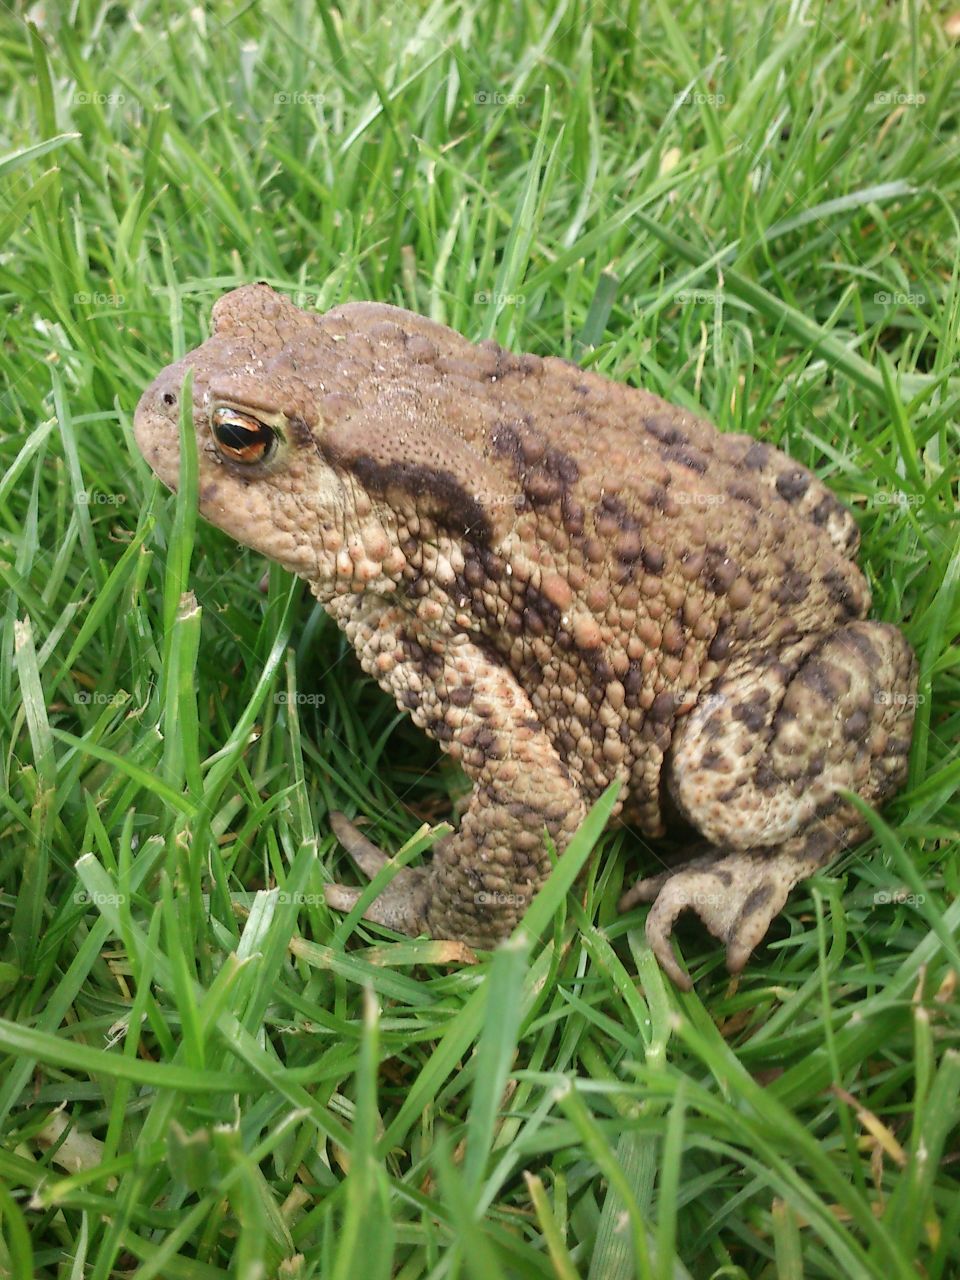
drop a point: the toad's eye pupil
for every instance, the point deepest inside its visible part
(241, 437)
(236, 435)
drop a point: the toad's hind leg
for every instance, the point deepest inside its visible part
(757, 768)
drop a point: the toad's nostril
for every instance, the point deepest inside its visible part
(169, 398)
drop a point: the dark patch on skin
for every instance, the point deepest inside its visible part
(462, 696)
(473, 576)
(604, 671)
(755, 901)
(663, 428)
(654, 558)
(856, 725)
(544, 608)
(715, 760)
(843, 593)
(533, 622)
(674, 639)
(686, 457)
(545, 473)
(299, 433)
(425, 660)
(541, 487)
(824, 678)
(493, 566)
(571, 512)
(632, 683)
(612, 515)
(720, 644)
(657, 497)
(451, 503)
(629, 547)
(505, 440)
(754, 713)
(714, 727)
(764, 778)
(825, 508)
(663, 706)
(855, 638)
(792, 485)
(757, 456)
(720, 571)
(743, 492)
(505, 361)
(792, 588)
(820, 843)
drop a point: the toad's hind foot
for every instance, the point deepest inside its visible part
(402, 905)
(736, 895)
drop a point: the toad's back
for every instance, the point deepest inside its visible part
(618, 552)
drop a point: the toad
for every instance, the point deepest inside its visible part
(565, 581)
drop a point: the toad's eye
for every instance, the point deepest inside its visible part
(240, 437)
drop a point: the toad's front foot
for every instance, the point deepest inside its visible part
(402, 906)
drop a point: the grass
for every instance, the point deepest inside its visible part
(750, 210)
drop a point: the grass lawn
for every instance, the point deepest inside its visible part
(751, 210)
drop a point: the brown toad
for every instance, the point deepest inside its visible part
(565, 581)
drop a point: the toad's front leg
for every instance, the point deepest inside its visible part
(484, 875)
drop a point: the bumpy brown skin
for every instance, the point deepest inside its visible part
(564, 580)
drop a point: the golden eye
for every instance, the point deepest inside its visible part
(240, 437)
